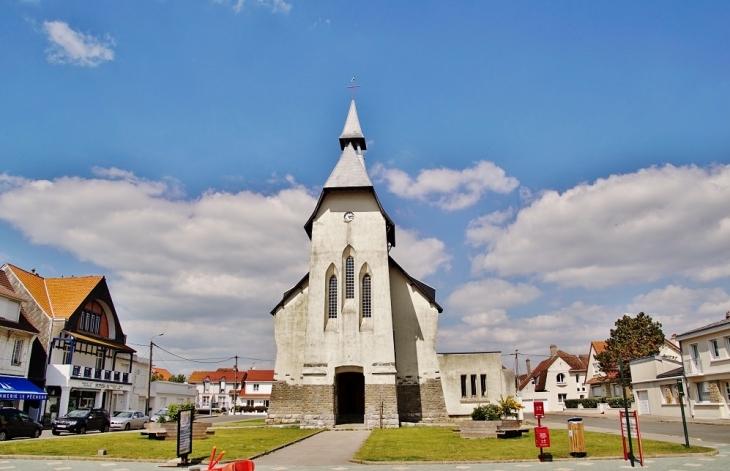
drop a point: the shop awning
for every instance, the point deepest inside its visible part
(12, 389)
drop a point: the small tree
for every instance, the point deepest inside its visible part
(509, 406)
(633, 337)
(173, 410)
(178, 378)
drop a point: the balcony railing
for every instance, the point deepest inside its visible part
(693, 366)
(85, 372)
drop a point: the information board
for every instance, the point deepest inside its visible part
(539, 409)
(542, 437)
(185, 434)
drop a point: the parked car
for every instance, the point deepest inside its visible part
(128, 419)
(81, 420)
(162, 413)
(16, 423)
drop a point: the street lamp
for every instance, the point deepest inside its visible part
(149, 376)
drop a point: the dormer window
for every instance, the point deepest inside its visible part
(223, 385)
(560, 378)
(90, 320)
(206, 385)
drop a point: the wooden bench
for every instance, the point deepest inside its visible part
(159, 434)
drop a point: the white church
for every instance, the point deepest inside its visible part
(356, 337)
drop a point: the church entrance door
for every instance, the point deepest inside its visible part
(350, 398)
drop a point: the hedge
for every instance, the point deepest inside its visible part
(592, 402)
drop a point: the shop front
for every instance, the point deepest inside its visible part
(21, 394)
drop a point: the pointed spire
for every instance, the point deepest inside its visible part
(352, 134)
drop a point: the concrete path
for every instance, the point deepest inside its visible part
(328, 448)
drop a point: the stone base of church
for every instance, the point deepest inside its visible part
(379, 396)
(285, 405)
(318, 405)
(421, 402)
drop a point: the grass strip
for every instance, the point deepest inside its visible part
(241, 423)
(237, 443)
(442, 444)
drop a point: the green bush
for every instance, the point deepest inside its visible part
(589, 403)
(486, 412)
(173, 410)
(618, 402)
(572, 403)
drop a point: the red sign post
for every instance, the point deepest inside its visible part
(539, 409)
(542, 438)
(542, 434)
(632, 431)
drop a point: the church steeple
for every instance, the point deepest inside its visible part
(352, 133)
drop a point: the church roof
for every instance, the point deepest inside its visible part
(426, 290)
(288, 292)
(349, 172)
(352, 133)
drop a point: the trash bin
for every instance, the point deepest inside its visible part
(576, 437)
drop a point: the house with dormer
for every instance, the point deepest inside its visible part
(81, 352)
(556, 379)
(215, 389)
(256, 388)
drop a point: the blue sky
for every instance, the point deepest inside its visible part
(549, 166)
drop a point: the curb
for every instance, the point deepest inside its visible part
(595, 458)
(285, 445)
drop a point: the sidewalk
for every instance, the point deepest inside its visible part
(613, 414)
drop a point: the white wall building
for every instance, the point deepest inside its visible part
(706, 358)
(553, 381)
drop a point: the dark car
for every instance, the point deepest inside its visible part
(81, 420)
(16, 423)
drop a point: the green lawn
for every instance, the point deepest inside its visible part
(443, 444)
(241, 423)
(237, 443)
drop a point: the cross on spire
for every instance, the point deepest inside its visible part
(353, 87)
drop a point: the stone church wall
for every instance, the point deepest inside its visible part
(374, 395)
(421, 402)
(285, 405)
(317, 406)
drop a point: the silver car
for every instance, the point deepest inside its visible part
(128, 419)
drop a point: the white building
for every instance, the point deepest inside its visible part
(17, 335)
(215, 389)
(554, 380)
(164, 393)
(356, 336)
(706, 358)
(654, 382)
(256, 388)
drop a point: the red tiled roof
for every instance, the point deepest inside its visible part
(228, 374)
(6, 289)
(598, 346)
(540, 372)
(259, 375)
(161, 373)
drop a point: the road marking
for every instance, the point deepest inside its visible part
(61, 469)
(400, 468)
(563, 469)
(280, 468)
(463, 467)
(339, 469)
(121, 469)
(585, 464)
(7, 467)
(694, 465)
(108, 464)
(523, 466)
(54, 462)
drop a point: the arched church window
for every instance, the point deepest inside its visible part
(332, 294)
(366, 298)
(350, 278)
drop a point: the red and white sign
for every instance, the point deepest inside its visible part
(635, 430)
(542, 437)
(539, 409)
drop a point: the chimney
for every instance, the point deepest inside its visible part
(553, 350)
(727, 315)
(529, 368)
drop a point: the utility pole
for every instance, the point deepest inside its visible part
(517, 371)
(235, 386)
(149, 377)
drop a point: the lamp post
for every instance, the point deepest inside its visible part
(149, 376)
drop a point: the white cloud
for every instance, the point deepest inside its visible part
(276, 6)
(680, 309)
(446, 188)
(206, 270)
(657, 222)
(76, 48)
(570, 328)
(419, 257)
